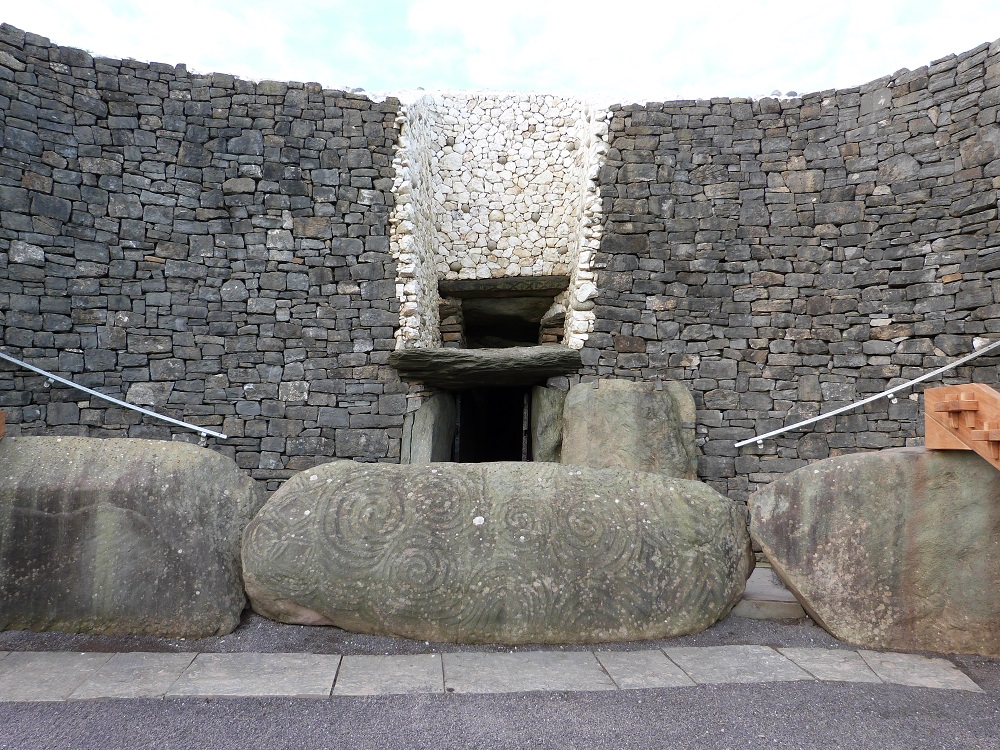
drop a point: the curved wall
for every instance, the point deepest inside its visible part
(787, 257)
(220, 250)
(211, 247)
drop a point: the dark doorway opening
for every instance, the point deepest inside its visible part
(493, 425)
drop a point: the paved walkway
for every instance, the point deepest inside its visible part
(69, 676)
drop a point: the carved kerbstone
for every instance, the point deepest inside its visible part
(500, 552)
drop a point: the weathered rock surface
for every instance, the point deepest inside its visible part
(893, 549)
(631, 425)
(546, 423)
(502, 552)
(428, 433)
(470, 368)
(121, 537)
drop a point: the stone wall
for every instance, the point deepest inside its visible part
(783, 257)
(220, 250)
(214, 248)
(496, 186)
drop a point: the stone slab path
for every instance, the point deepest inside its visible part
(33, 676)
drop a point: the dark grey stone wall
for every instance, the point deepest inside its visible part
(218, 249)
(787, 257)
(211, 247)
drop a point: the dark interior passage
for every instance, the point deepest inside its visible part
(493, 425)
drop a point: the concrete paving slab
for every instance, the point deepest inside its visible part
(831, 665)
(915, 671)
(134, 675)
(471, 672)
(642, 669)
(258, 675)
(390, 675)
(722, 664)
(46, 676)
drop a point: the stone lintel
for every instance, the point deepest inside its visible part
(472, 368)
(518, 286)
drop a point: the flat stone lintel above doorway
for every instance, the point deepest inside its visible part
(513, 286)
(472, 368)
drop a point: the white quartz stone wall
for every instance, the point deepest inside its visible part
(413, 233)
(492, 186)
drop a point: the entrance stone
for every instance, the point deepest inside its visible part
(894, 549)
(121, 537)
(497, 553)
(631, 425)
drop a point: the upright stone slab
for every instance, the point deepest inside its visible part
(894, 549)
(546, 423)
(497, 553)
(121, 537)
(428, 433)
(634, 425)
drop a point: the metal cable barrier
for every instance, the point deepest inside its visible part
(759, 439)
(203, 431)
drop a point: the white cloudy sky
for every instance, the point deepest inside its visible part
(630, 50)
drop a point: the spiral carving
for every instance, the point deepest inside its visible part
(509, 553)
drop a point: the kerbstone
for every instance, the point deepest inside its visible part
(728, 664)
(134, 675)
(46, 676)
(918, 671)
(642, 669)
(390, 675)
(121, 537)
(496, 553)
(890, 549)
(831, 665)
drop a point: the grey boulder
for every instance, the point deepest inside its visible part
(891, 549)
(634, 425)
(497, 553)
(121, 537)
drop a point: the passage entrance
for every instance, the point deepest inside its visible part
(493, 424)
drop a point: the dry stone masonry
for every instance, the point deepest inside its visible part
(246, 255)
(211, 247)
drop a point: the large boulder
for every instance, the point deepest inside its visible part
(893, 549)
(121, 537)
(496, 553)
(629, 424)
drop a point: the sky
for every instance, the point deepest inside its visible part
(617, 50)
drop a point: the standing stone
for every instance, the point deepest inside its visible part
(429, 432)
(893, 549)
(631, 425)
(497, 553)
(121, 537)
(546, 423)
